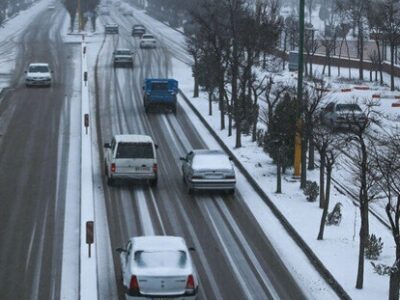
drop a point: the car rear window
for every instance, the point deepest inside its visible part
(147, 37)
(211, 161)
(350, 107)
(135, 150)
(160, 259)
(38, 69)
(159, 86)
(123, 52)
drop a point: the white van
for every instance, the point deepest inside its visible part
(131, 156)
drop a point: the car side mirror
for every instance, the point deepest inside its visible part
(230, 158)
(182, 158)
(25, 72)
(156, 146)
(107, 145)
(120, 250)
(52, 71)
(192, 249)
(143, 88)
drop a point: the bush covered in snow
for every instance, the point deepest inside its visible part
(335, 216)
(311, 190)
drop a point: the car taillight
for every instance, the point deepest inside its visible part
(113, 168)
(154, 168)
(134, 284)
(230, 176)
(190, 284)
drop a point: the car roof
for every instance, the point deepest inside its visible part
(123, 49)
(138, 25)
(208, 152)
(133, 138)
(38, 64)
(147, 34)
(160, 80)
(158, 243)
(111, 24)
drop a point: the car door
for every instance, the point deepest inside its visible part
(187, 164)
(125, 264)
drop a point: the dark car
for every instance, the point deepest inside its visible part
(138, 30)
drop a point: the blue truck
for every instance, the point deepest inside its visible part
(160, 93)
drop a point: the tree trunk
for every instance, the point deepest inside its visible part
(380, 61)
(278, 178)
(361, 38)
(394, 284)
(322, 180)
(326, 206)
(360, 271)
(210, 103)
(196, 77)
(391, 66)
(303, 167)
(255, 121)
(221, 99)
(311, 155)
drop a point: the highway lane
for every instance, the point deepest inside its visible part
(234, 259)
(33, 160)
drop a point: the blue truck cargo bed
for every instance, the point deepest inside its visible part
(160, 92)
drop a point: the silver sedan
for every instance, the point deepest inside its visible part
(208, 170)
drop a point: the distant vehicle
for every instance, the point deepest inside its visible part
(38, 74)
(160, 93)
(104, 12)
(123, 58)
(293, 61)
(208, 170)
(127, 12)
(131, 156)
(343, 115)
(138, 30)
(148, 41)
(111, 28)
(158, 267)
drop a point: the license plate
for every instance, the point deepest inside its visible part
(142, 169)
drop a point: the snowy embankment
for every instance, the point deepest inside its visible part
(339, 250)
(10, 34)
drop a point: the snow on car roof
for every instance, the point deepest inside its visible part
(159, 243)
(210, 159)
(38, 64)
(134, 138)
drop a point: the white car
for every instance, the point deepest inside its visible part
(131, 156)
(148, 41)
(158, 267)
(38, 74)
(343, 116)
(111, 28)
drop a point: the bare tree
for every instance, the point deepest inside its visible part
(388, 163)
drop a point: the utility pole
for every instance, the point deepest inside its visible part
(297, 151)
(79, 15)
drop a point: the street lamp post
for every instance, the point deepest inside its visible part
(297, 151)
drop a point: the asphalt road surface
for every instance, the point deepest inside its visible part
(33, 166)
(234, 259)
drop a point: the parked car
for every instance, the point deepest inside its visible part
(160, 92)
(127, 12)
(123, 58)
(208, 170)
(148, 41)
(131, 156)
(138, 30)
(158, 267)
(38, 74)
(111, 28)
(343, 115)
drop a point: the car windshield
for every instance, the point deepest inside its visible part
(123, 52)
(135, 150)
(211, 161)
(160, 259)
(159, 86)
(348, 107)
(38, 69)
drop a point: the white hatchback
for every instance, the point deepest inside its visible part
(38, 74)
(131, 156)
(158, 267)
(148, 41)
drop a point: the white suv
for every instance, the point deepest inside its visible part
(131, 156)
(38, 74)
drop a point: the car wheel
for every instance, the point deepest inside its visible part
(110, 181)
(174, 110)
(231, 192)
(146, 109)
(153, 182)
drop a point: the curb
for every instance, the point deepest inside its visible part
(314, 260)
